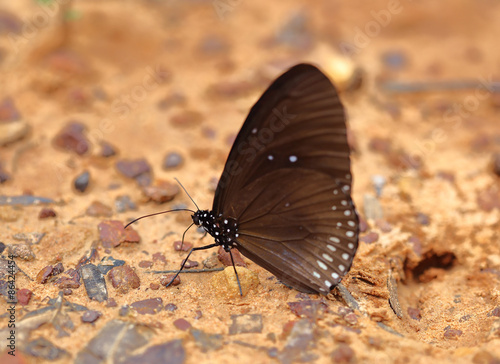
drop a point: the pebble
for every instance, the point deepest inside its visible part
(46, 213)
(363, 225)
(184, 247)
(247, 323)
(90, 316)
(161, 191)
(452, 334)
(423, 219)
(159, 257)
(369, 238)
(164, 280)
(226, 285)
(211, 262)
(378, 182)
(43, 276)
(172, 160)
(299, 340)
(2, 247)
(22, 251)
(496, 164)
(124, 310)
(230, 90)
(171, 352)
(70, 279)
(94, 282)
(150, 306)
(71, 138)
(98, 209)
(112, 234)
(213, 44)
(124, 278)
(24, 296)
(343, 354)
(9, 214)
(145, 264)
(173, 99)
(154, 286)
(186, 119)
(12, 127)
(108, 263)
(489, 199)
(182, 324)
(124, 203)
(414, 313)
(495, 312)
(82, 181)
(198, 315)
(383, 225)
(67, 291)
(111, 303)
(138, 169)
(380, 145)
(225, 258)
(190, 264)
(295, 32)
(107, 150)
(170, 307)
(308, 308)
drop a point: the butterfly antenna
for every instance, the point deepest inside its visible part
(156, 213)
(180, 184)
(236, 272)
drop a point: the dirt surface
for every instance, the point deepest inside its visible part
(151, 78)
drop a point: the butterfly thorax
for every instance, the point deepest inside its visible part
(223, 229)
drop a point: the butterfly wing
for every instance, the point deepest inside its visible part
(287, 182)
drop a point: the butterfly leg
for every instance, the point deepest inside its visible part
(185, 260)
(235, 272)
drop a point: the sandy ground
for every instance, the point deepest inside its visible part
(155, 77)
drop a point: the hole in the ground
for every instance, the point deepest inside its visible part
(431, 266)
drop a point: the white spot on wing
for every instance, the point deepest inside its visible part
(328, 284)
(334, 239)
(270, 157)
(347, 213)
(349, 234)
(327, 257)
(350, 246)
(345, 256)
(331, 247)
(335, 275)
(316, 274)
(341, 267)
(321, 265)
(293, 158)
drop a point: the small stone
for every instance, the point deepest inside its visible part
(111, 303)
(24, 296)
(190, 264)
(394, 60)
(351, 318)
(22, 251)
(90, 316)
(186, 119)
(71, 138)
(414, 313)
(70, 279)
(172, 160)
(145, 264)
(29, 238)
(108, 263)
(173, 99)
(149, 306)
(182, 324)
(363, 225)
(46, 213)
(112, 234)
(12, 126)
(124, 310)
(369, 238)
(82, 181)
(343, 354)
(124, 203)
(423, 219)
(212, 44)
(230, 90)
(225, 257)
(226, 285)
(211, 262)
(295, 32)
(161, 191)
(135, 169)
(154, 286)
(308, 308)
(378, 182)
(58, 269)
(198, 315)
(124, 278)
(489, 199)
(94, 282)
(107, 150)
(452, 334)
(98, 209)
(44, 349)
(170, 307)
(159, 257)
(207, 342)
(495, 312)
(2, 247)
(380, 145)
(44, 275)
(164, 280)
(184, 247)
(4, 176)
(67, 291)
(496, 164)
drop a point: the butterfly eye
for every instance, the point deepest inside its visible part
(196, 219)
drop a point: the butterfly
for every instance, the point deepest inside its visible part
(284, 196)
